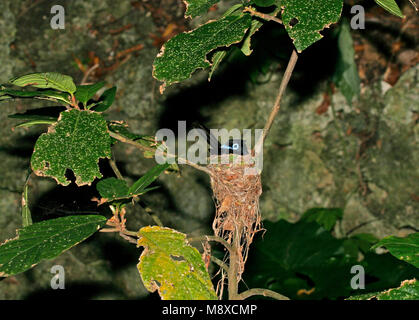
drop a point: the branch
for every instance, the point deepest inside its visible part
(145, 148)
(261, 15)
(219, 263)
(277, 105)
(261, 292)
(211, 238)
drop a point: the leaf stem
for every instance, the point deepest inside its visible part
(261, 292)
(261, 15)
(145, 148)
(212, 238)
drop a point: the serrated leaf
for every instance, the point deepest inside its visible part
(77, 141)
(391, 6)
(151, 175)
(105, 100)
(45, 240)
(408, 290)
(171, 266)
(195, 8)
(304, 20)
(346, 75)
(46, 80)
(323, 216)
(186, 52)
(39, 94)
(86, 92)
(406, 249)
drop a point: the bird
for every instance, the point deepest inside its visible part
(234, 146)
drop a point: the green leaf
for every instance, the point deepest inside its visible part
(264, 3)
(45, 240)
(86, 92)
(39, 94)
(246, 47)
(304, 20)
(112, 189)
(405, 249)
(216, 60)
(105, 100)
(171, 266)
(408, 290)
(46, 80)
(151, 175)
(391, 6)
(323, 216)
(26, 213)
(34, 123)
(46, 113)
(195, 8)
(76, 142)
(186, 52)
(346, 75)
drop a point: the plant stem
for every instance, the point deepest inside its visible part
(261, 292)
(212, 238)
(115, 169)
(261, 15)
(282, 87)
(145, 148)
(233, 268)
(219, 263)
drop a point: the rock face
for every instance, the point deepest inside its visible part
(362, 158)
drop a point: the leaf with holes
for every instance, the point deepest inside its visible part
(195, 8)
(406, 249)
(304, 20)
(45, 240)
(52, 80)
(391, 6)
(187, 52)
(408, 290)
(76, 141)
(171, 266)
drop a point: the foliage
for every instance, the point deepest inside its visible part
(171, 266)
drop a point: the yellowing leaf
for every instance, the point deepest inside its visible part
(171, 266)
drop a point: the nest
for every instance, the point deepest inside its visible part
(236, 196)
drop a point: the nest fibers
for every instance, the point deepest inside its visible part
(236, 194)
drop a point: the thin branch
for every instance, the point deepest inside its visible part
(145, 148)
(261, 292)
(233, 269)
(88, 72)
(115, 169)
(211, 238)
(219, 263)
(277, 105)
(261, 15)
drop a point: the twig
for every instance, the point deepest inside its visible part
(261, 292)
(261, 15)
(212, 238)
(88, 72)
(234, 266)
(145, 148)
(277, 105)
(219, 263)
(115, 169)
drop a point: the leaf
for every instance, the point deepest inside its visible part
(112, 189)
(255, 26)
(405, 249)
(39, 94)
(171, 266)
(105, 100)
(26, 213)
(46, 80)
(195, 8)
(46, 113)
(304, 20)
(323, 216)
(86, 92)
(408, 290)
(186, 52)
(297, 256)
(216, 60)
(151, 175)
(391, 6)
(34, 122)
(76, 142)
(264, 3)
(45, 240)
(346, 75)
